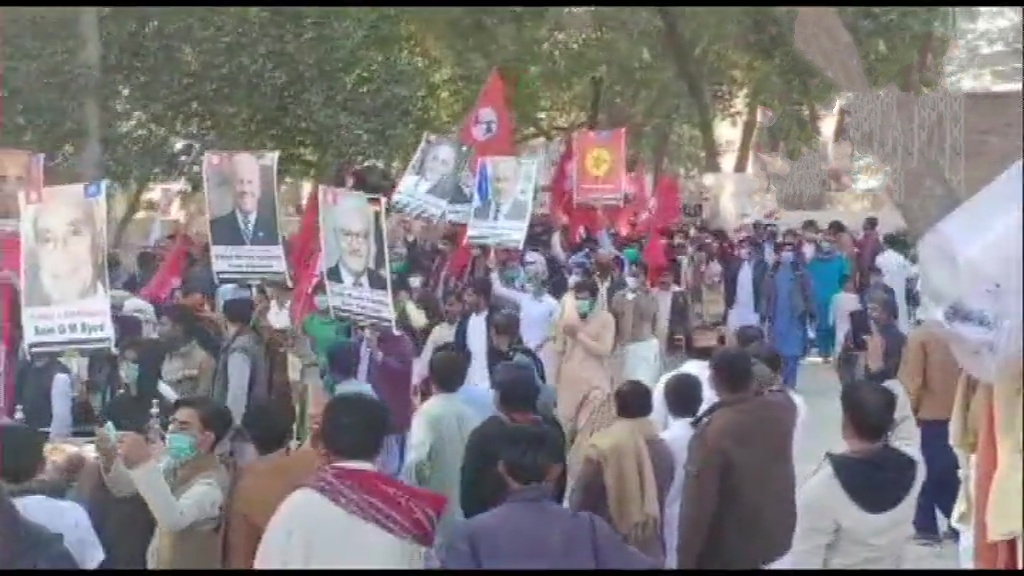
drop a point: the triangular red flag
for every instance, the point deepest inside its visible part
(668, 205)
(168, 275)
(307, 277)
(489, 128)
(560, 204)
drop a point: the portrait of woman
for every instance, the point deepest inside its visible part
(64, 257)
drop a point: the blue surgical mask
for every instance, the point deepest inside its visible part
(181, 447)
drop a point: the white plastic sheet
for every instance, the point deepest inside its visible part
(971, 276)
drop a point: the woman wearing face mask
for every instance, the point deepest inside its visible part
(584, 382)
(788, 310)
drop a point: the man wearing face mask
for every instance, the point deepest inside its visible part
(183, 482)
(44, 390)
(636, 315)
(538, 310)
(787, 310)
(609, 283)
(743, 280)
(827, 270)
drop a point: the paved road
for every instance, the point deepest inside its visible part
(820, 389)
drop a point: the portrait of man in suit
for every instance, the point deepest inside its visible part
(250, 222)
(508, 201)
(353, 225)
(436, 171)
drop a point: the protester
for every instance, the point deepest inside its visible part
(25, 545)
(516, 395)
(385, 361)
(242, 376)
(842, 305)
(546, 535)
(262, 484)
(44, 390)
(683, 398)
(636, 315)
(626, 473)
(343, 370)
(896, 273)
(472, 334)
(322, 328)
(40, 496)
(770, 360)
(827, 270)
(855, 511)
(438, 436)
(929, 373)
(885, 345)
(185, 490)
(788, 309)
(506, 346)
(738, 510)
(538, 310)
(673, 326)
(743, 282)
(187, 369)
(385, 523)
(869, 246)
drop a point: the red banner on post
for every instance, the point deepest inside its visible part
(600, 170)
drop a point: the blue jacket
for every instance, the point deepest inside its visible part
(826, 271)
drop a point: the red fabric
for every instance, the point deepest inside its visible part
(307, 239)
(461, 256)
(306, 280)
(561, 204)
(655, 255)
(668, 209)
(404, 511)
(491, 106)
(600, 170)
(168, 275)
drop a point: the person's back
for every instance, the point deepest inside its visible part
(739, 493)
(531, 531)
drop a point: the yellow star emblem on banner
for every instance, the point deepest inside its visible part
(598, 162)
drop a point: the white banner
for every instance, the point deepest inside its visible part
(435, 180)
(241, 199)
(355, 264)
(503, 203)
(65, 298)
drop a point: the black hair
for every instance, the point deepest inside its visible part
(145, 260)
(633, 400)
(516, 387)
(527, 452)
(21, 452)
(836, 227)
(809, 225)
(586, 285)
(354, 427)
(869, 409)
(748, 336)
(268, 426)
(482, 287)
(733, 369)
(343, 359)
(684, 395)
(447, 369)
(871, 223)
(239, 311)
(767, 354)
(506, 323)
(213, 416)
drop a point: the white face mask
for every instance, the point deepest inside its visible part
(320, 302)
(632, 282)
(573, 280)
(415, 282)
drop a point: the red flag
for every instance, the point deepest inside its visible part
(307, 277)
(307, 239)
(560, 204)
(600, 168)
(168, 275)
(668, 205)
(489, 128)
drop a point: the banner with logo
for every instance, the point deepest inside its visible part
(241, 200)
(503, 203)
(356, 268)
(65, 296)
(600, 158)
(435, 182)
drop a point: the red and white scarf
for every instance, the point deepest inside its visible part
(408, 512)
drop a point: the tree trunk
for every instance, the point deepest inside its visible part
(746, 137)
(594, 110)
(840, 120)
(681, 53)
(659, 152)
(134, 203)
(91, 159)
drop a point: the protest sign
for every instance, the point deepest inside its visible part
(503, 203)
(241, 199)
(355, 255)
(65, 289)
(600, 166)
(433, 180)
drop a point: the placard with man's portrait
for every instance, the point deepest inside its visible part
(503, 203)
(241, 199)
(65, 296)
(355, 255)
(435, 182)
(18, 168)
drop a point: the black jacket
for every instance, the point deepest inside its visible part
(36, 548)
(731, 276)
(483, 487)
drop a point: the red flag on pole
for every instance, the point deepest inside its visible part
(668, 205)
(307, 239)
(168, 275)
(560, 204)
(489, 130)
(307, 277)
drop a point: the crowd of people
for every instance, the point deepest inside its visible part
(555, 407)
